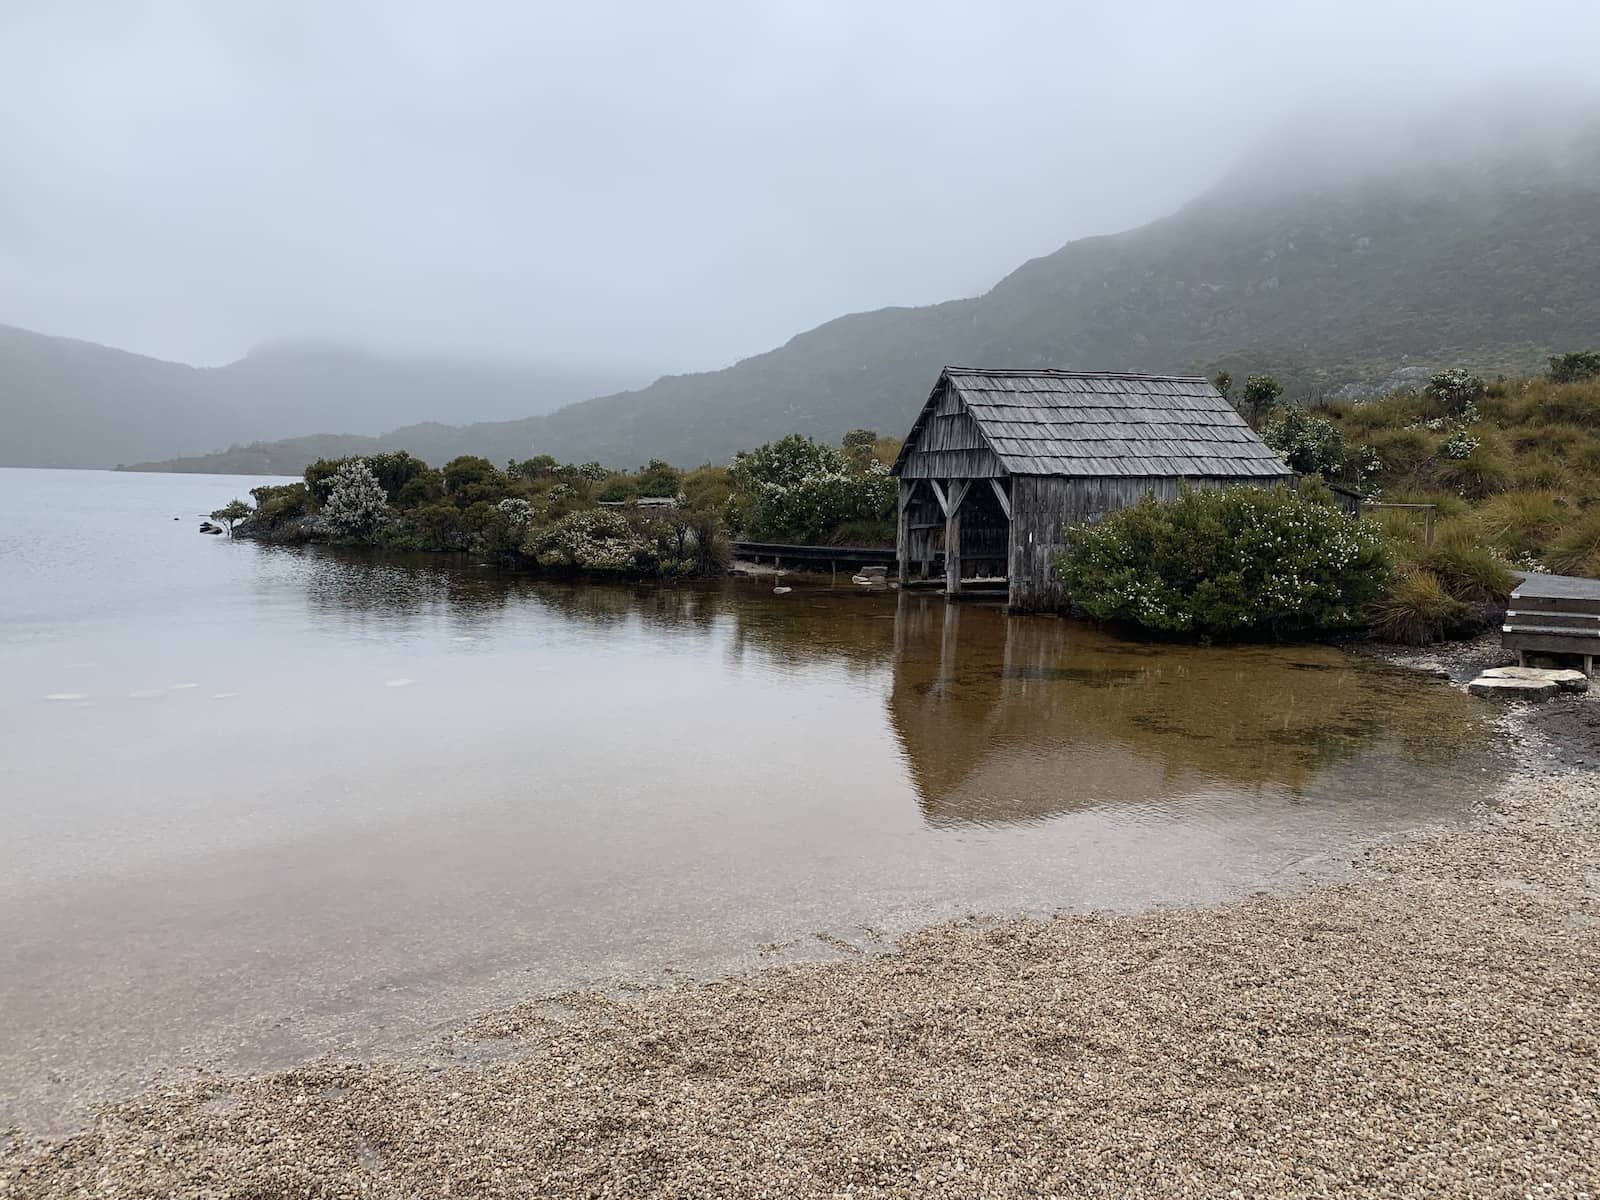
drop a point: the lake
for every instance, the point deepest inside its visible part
(266, 803)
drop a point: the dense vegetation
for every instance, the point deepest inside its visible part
(1512, 468)
(1345, 289)
(1228, 562)
(1509, 470)
(556, 517)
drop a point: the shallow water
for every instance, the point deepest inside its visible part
(263, 803)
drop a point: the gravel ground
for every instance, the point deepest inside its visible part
(1428, 1027)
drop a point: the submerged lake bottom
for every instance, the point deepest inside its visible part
(266, 804)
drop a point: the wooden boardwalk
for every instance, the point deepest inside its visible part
(816, 558)
(1554, 614)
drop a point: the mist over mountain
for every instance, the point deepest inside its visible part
(1333, 281)
(68, 403)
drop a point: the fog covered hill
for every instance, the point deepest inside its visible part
(69, 403)
(1332, 285)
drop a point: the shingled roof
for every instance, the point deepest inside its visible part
(1096, 423)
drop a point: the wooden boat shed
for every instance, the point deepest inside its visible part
(1000, 461)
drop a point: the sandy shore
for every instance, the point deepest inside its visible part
(1431, 1026)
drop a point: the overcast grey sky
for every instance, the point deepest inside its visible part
(656, 184)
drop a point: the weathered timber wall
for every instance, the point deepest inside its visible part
(947, 444)
(921, 538)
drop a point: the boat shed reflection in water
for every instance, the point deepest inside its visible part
(1016, 719)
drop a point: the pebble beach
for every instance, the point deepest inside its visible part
(1427, 1025)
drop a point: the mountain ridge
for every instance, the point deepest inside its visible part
(1335, 288)
(68, 402)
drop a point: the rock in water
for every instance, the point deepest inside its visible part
(1567, 681)
(1513, 689)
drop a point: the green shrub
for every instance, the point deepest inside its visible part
(596, 540)
(1310, 445)
(470, 479)
(1521, 524)
(421, 491)
(1455, 390)
(685, 542)
(633, 544)
(1576, 549)
(1260, 396)
(616, 489)
(319, 477)
(436, 526)
(540, 466)
(395, 469)
(1235, 562)
(277, 505)
(1468, 570)
(1576, 366)
(231, 513)
(657, 478)
(707, 489)
(1417, 610)
(794, 490)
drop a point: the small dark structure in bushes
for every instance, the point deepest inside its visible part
(1000, 461)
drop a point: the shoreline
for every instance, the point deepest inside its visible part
(1430, 1021)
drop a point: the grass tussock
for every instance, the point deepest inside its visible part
(1576, 549)
(1468, 570)
(1521, 525)
(1417, 610)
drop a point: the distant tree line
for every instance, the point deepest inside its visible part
(541, 514)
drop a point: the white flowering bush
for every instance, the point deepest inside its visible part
(1312, 445)
(799, 491)
(515, 511)
(1227, 562)
(1455, 390)
(600, 540)
(1458, 447)
(357, 506)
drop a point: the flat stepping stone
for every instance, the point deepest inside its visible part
(1566, 680)
(1513, 689)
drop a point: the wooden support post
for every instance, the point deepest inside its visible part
(1000, 495)
(902, 537)
(952, 535)
(952, 554)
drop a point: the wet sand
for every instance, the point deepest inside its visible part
(1428, 1026)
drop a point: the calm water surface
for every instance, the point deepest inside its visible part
(264, 803)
